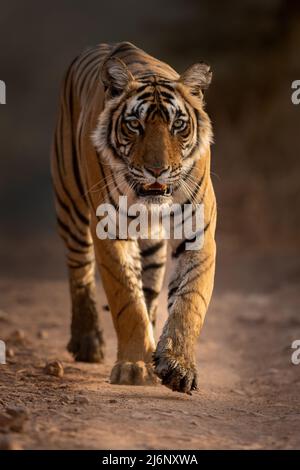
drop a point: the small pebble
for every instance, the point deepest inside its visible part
(10, 353)
(54, 368)
(17, 411)
(14, 419)
(43, 334)
(112, 401)
(17, 336)
(82, 400)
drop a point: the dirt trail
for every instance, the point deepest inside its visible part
(249, 391)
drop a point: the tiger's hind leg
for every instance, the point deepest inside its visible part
(73, 217)
(86, 343)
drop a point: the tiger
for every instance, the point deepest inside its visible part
(129, 124)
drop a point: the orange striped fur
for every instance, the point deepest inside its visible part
(127, 119)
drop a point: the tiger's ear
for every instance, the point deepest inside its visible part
(115, 76)
(197, 78)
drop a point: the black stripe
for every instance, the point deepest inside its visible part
(194, 291)
(70, 247)
(192, 150)
(67, 210)
(111, 273)
(153, 266)
(68, 76)
(181, 247)
(77, 172)
(153, 249)
(198, 118)
(145, 95)
(135, 60)
(202, 271)
(208, 267)
(78, 265)
(84, 77)
(137, 90)
(189, 281)
(74, 237)
(124, 308)
(75, 164)
(109, 134)
(150, 293)
(151, 109)
(179, 250)
(163, 111)
(59, 132)
(80, 216)
(168, 96)
(165, 85)
(124, 47)
(172, 291)
(88, 59)
(188, 271)
(73, 250)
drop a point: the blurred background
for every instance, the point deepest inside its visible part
(249, 390)
(253, 47)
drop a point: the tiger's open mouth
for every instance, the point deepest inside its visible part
(154, 189)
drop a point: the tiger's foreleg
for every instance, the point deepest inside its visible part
(190, 291)
(120, 267)
(154, 256)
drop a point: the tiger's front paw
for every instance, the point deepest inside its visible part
(176, 372)
(133, 373)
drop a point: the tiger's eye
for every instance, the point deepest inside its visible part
(134, 123)
(178, 123)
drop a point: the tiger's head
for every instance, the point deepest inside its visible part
(152, 129)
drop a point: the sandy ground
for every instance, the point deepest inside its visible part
(249, 390)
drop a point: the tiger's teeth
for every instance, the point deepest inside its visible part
(154, 186)
(155, 189)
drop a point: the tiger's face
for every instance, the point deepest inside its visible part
(153, 129)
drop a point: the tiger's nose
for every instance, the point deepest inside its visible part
(157, 170)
